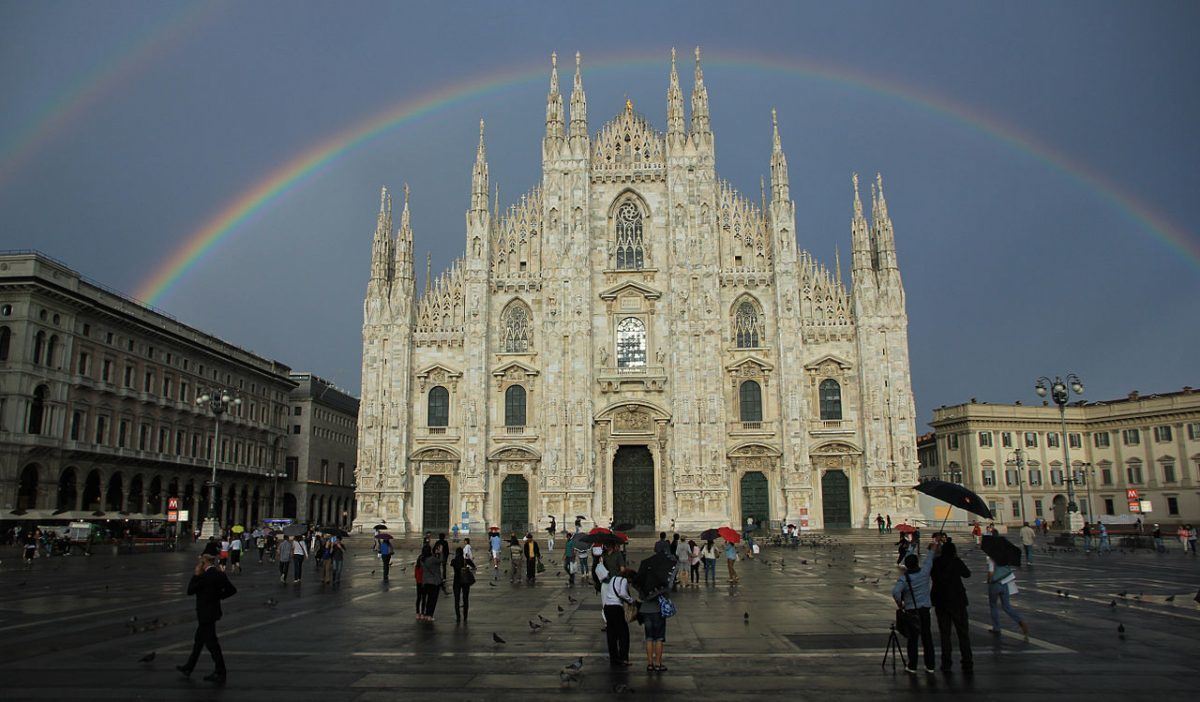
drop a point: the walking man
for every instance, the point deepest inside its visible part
(879, 522)
(210, 585)
(1105, 547)
(533, 554)
(1027, 542)
(385, 556)
(285, 557)
(299, 552)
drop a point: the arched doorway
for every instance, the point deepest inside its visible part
(756, 499)
(91, 492)
(135, 494)
(154, 498)
(27, 488)
(66, 490)
(114, 494)
(436, 514)
(514, 504)
(1059, 506)
(835, 500)
(633, 487)
(289, 505)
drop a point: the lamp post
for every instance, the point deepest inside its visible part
(1060, 391)
(275, 475)
(218, 402)
(1088, 478)
(1020, 463)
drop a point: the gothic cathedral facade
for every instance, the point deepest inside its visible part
(634, 340)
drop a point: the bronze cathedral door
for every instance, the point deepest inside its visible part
(633, 487)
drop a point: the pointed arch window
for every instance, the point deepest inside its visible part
(631, 254)
(750, 401)
(631, 343)
(746, 326)
(439, 407)
(516, 328)
(831, 399)
(514, 406)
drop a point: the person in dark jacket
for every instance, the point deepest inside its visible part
(210, 585)
(949, 598)
(432, 568)
(464, 578)
(533, 554)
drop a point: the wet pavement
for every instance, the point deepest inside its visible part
(816, 628)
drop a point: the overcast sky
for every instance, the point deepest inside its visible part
(125, 126)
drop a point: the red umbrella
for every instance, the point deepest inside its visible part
(729, 535)
(905, 528)
(600, 530)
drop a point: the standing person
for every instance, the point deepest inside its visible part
(682, 555)
(1027, 542)
(533, 554)
(1182, 533)
(494, 547)
(888, 523)
(468, 552)
(210, 585)
(614, 595)
(327, 561)
(748, 534)
(286, 548)
(911, 593)
(464, 578)
(581, 556)
(1105, 547)
(454, 532)
(223, 554)
(1159, 546)
(299, 553)
(550, 530)
(879, 522)
(731, 557)
(337, 556)
(419, 577)
(977, 532)
(906, 546)
(235, 553)
(570, 564)
(998, 597)
(708, 556)
(385, 556)
(1191, 542)
(655, 624)
(514, 559)
(693, 562)
(662, 545)
(441, 549)
(433, 583)
(949, 599)
(29, 550)
(1087, 537)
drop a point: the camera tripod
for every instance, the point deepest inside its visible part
(893, 649)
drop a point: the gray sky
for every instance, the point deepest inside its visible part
(112, 154)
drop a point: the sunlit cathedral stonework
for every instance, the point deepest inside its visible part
(634, 340)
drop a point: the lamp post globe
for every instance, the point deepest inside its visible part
(1060, 390)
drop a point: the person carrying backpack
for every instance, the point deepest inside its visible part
(385, 555)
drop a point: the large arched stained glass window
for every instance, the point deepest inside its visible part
(750, 402)
(516, 328)
(439, 407)
(630, 250)
(745, 326)
(831, 399)
(514, 406)
(631, 343)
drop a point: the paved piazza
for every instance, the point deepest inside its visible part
(816, 629)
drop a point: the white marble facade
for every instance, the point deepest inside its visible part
(633, 339)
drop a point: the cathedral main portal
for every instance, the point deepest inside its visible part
(633, 487)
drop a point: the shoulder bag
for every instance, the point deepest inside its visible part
(908, 621)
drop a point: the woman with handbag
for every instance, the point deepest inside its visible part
(653, 613)
(464, 578)
(614, 596)
(1001, 582)
(911, 593)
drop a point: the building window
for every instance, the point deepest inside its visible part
(1106, 476)
(439, 407)
(1100, 439)
(1108, 506)
(179, 436)
(291, 466)
(750, 401)
(952, 442)
(1035, 476)
(1168, 470)
(82, 368)
(514, 406)
(1052, 439)
(746, 326)
(631, 343)
(122, 432)
(129, 376)
(101, 430)
(5, 342)
(1131, 437)
(1084, 507)
(1031, 439)
(1075, 440)
(295, 428)
(297, 411)
(955, 473)
(341, 474)
(1016, 509)
(76, 422)
(1162, 433)
(1037, 508)
(1006, 439)
(985, 439)
(516, 328)
(630, 250)
(1173, 506)
(1056, 475)
(989, 477)
(1133, 471)
(1194, 431)
(324, 470)
(149, 381)
(831, 399)
(37, 409)
(143, 436)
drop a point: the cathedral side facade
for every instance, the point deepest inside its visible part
(634, 340)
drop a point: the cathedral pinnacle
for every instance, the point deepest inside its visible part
(674, 102)
(554, 104)
(700, 121)
(479, 176)
(779, 170)
(860, 238)
(578, 103)
(882, 234)
(405, 227)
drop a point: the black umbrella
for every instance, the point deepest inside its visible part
(334, 531)
(295, 530)
(1001, 550)
(623, 526)
(710, 535)
(954, 495)
(380, 526)
(602, 538)
(654, 575)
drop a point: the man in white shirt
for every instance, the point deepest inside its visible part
(614, 593)
(468, 552)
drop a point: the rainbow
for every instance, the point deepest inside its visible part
(301, 168)
(122, 64)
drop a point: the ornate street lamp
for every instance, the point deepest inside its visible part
(1060, 391)
(218, 402)
(275, 475)
(1019, 462)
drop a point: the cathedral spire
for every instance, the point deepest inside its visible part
(402, 258)
(860, 251)
(428, 270)
(381, 243)
(882, 234)
(779, 170)
(479, 176)
(700, 121)
(675, 126)
(405, 222)
(579, 129)
(554, 105)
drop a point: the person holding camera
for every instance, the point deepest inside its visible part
(911, 593)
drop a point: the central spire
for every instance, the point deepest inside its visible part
(479, 176)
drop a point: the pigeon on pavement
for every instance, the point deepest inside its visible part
(497, 639)
(148, 657)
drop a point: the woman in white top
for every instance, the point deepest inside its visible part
(299, 553)
(708, 555)
(614, 594)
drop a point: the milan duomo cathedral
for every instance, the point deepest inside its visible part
(634, 340)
